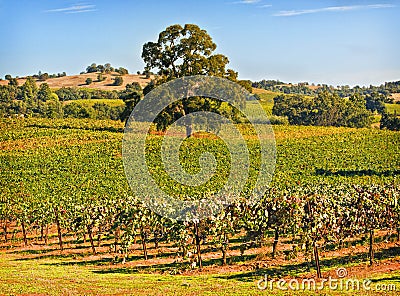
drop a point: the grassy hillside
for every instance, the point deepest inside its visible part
(266, 99)
(80, 81)
(396, 97)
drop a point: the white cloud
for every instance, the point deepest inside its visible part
(381, 6)
(332, 8)
(266, 5)
(74, 9)
(247, 1)
(80, 11)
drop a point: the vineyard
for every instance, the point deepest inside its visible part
(63, 183)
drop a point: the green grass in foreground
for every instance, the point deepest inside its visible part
(62, 277)
(54, 277)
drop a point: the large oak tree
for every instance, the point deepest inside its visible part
(185, 51)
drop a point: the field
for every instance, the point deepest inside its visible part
(392, 108)
(76, 165)
(91, 102)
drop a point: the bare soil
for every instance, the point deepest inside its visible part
(164, 260)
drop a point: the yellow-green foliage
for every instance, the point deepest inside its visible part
(91, 102)
(391, 108)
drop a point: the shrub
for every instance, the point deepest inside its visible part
(100, 77)
(390, 122)
(13, 81)
(44, 76)
(75, 110)
(122, 71)
(118, 81)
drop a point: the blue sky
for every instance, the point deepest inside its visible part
(334, 42)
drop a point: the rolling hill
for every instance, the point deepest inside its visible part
(80, 81)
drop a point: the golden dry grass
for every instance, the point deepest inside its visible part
(261, 91)
(80, 81)
(396, 97)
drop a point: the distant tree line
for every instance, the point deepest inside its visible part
(40, 76)
(326, 109)
(30, 100)
(75, 93)
(329, 109)
(304, 88)
(393, 87)
(307, 105)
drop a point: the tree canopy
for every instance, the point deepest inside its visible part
(326, 109)
(185, 51)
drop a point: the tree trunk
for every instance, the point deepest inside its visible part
(116, 236)
(184, 251)
(5, 230)
(316, 257)
(189, 130)
(59, 230)
(125, 255)
(99, 238)
(89, 229)
(371, 247)
(46, 234)
(24, 232)
(143, 237)
(197, 238)
(156, 239)
(224, 249)
(262, 236)
(223, 256)
(275, 244)
(36, 234)
(41, 232)
(341, 244)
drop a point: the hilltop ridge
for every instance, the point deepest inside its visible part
(80, 81)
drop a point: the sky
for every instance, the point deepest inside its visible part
(320, 41)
